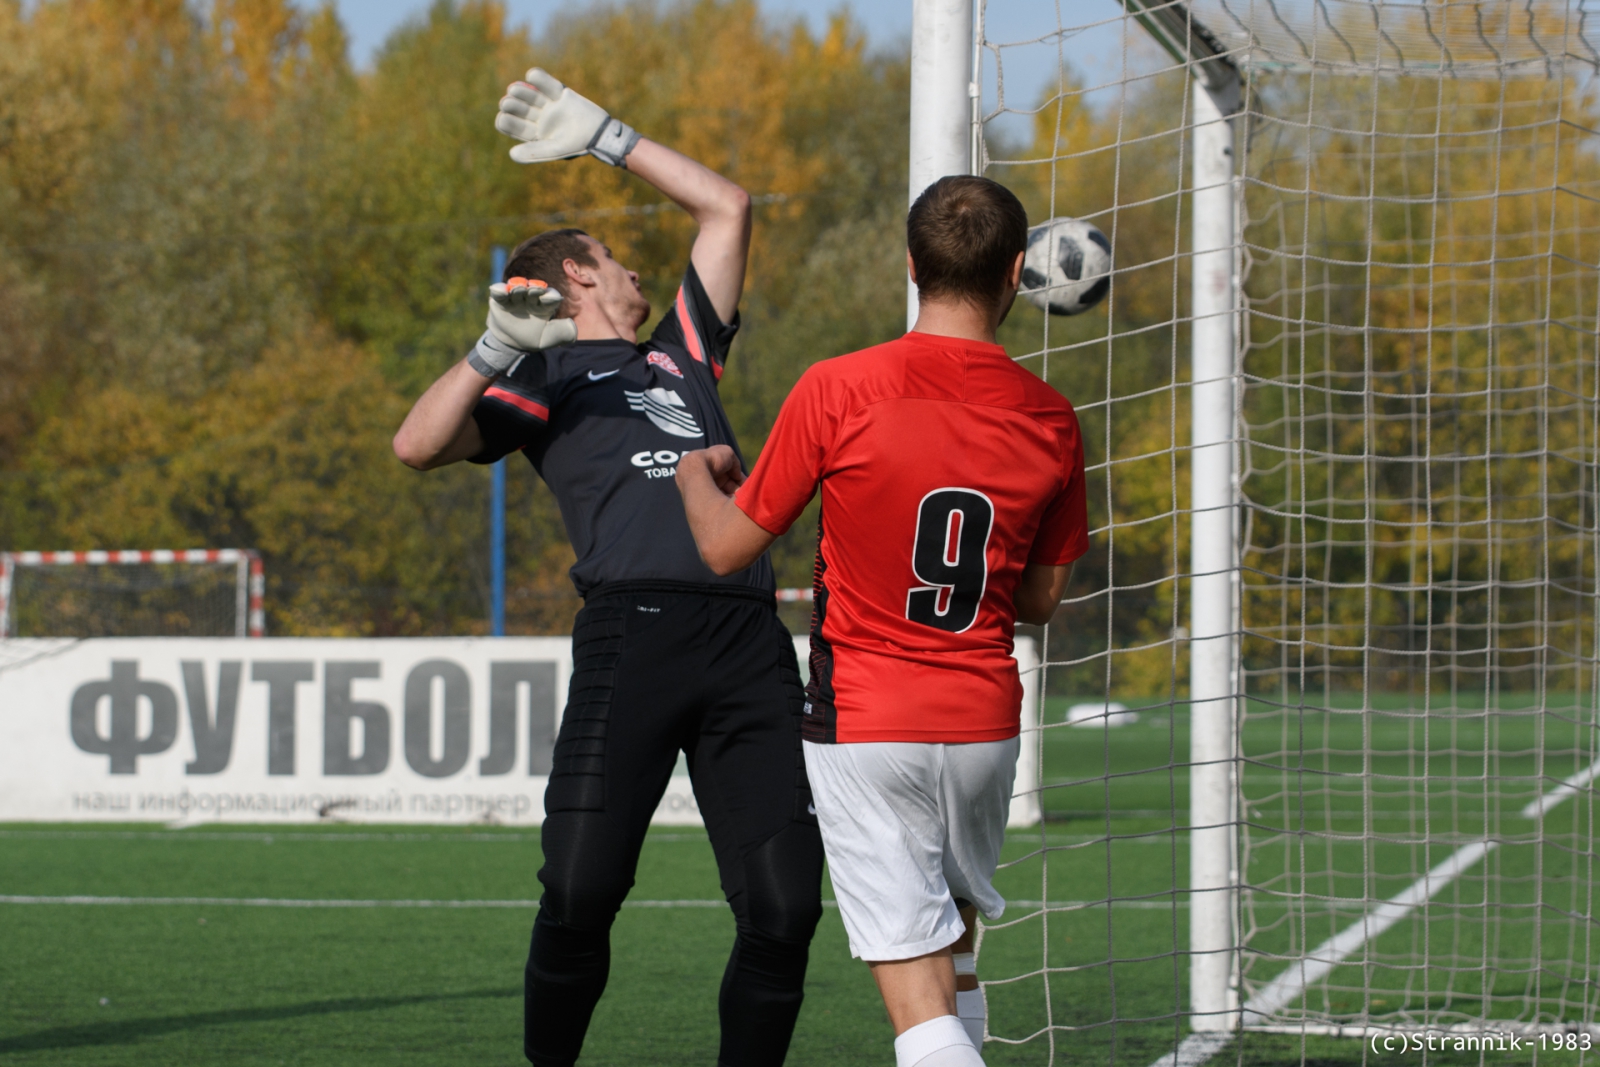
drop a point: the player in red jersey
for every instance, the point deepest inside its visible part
(953, 506)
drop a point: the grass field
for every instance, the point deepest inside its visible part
(202, 983)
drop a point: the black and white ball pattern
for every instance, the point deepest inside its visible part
(1067, 269)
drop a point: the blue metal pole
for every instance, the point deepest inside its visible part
(497, 510)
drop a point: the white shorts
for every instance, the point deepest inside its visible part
(907, 827)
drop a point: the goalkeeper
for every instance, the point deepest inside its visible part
(667, 655)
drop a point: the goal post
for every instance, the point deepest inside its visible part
(195, 601)
(944, 127)
(1213, 523)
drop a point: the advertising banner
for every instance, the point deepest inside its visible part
(396, 730)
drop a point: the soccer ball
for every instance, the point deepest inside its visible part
(1067, 268)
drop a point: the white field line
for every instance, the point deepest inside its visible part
(289, 902)
(1282, 990)
(1478, 1027)
(1077, 905)
(1561, 792)
(1288, 986)
(283, 902)
(1195, 1050)
(269, 837)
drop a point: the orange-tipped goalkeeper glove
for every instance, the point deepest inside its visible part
(553, 122)
(521, 319)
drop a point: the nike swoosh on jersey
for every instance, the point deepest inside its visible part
(593, 377)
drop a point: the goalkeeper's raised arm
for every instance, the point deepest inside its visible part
(554, 122)
(602, 299)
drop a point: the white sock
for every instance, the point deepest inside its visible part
(940, 1042)
(952, 1056)
(970, 1005)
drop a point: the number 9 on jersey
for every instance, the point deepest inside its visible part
(949, 554)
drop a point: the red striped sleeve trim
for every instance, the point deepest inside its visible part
(521, 403)
(691, 336)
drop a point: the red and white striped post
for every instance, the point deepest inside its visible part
(258, 596)
(5, 595)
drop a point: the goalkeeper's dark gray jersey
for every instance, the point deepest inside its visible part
(604, 422)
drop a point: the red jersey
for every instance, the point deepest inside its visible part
(945, 468)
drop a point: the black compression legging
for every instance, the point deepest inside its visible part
(657, 671)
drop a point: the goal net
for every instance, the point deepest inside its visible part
(1320, 719)
(214, 592)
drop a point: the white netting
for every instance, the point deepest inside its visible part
(176, 598)
(19, 651)
(1417, 407)
(1477, 38)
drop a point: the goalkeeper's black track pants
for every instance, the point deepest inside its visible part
(661, 667)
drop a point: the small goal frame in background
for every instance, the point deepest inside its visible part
(250, 616)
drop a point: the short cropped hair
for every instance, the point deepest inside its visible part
(541, 257)
(964, 233)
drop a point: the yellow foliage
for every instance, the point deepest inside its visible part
(258, 41)
(1418, 257)
(232, 263)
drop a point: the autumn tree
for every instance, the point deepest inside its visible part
(228, 262)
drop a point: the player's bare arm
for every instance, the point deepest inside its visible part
(1039, 592)
(728, 539)
(721, 208)
(555, 122)
(439, 429)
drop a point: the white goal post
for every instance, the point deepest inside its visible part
(249, 578)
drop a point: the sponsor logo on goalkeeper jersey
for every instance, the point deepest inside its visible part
(664, 361)
(666, 410)
(661, 463)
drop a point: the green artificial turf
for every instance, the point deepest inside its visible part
(210, 983)
(193, 983)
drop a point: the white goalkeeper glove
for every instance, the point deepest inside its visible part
(553, 122)
(521, 319)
